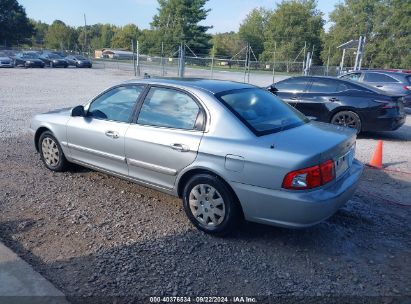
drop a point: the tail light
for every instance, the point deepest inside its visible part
(311, 177)
(407, 87)
(387, 104)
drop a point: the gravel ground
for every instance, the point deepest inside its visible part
(92, 234)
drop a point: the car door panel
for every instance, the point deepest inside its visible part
(289, 97)
(165, 138)
(98, 138)
(154, 155)
(98, 142)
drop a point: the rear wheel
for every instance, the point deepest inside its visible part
(347, 119)
(210, 205)
(51, 153)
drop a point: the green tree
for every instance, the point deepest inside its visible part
(40, 31)
(385, 24)
(178, 20)
(253, 27)
(123, 35)
(227, 45)
(60, 36)
(15, 27)
(290, 26)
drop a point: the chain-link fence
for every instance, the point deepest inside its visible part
(239, 69)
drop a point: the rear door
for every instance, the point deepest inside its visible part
(98, 138)
(165, 137)
(290, 89)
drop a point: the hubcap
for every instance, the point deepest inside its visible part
(50, 151)
(346, 120)
(207, 205)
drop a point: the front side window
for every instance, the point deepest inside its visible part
(262, 111)
(170, 108)
(296, 84)
(116, 104)
(378, 77)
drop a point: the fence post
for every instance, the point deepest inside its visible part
(138, 58)
(307, 64)
(162, 59)
(275, 49)
(134, 59)
(246, 61)
(212, 67)
(182, 61)
(328, 59)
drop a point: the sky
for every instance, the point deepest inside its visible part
(225, 15)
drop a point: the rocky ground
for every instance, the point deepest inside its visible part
(92, 234)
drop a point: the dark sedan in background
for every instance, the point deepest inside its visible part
(53, 60)
(392, 82)
(5, 61)
(28, 60)
(342, 102)
(79, 61)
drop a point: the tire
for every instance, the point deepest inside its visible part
(348, 119)
(51, 153)
(207, 194)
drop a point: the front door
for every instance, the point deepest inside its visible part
(165, 138)
(98, 138)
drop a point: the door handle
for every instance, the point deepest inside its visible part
(332, 99)
(112, 134)
(379, 86)
(180, 147)
(294, 98)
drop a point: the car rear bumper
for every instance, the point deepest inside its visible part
(297, 209)
(386, 124)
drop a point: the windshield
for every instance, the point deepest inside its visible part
(262, 111)
(80, 58)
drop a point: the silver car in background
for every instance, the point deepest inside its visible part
(393, 83)
(229, 150)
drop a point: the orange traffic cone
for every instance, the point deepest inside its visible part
(376, 160)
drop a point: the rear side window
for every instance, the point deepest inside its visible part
(378, 77)
(261, 110)
(295, 84)
(169, 108)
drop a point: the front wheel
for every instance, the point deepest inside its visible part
(347, 119)
(210, 205)
(51, 153)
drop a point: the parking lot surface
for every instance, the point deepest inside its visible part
(92, 234)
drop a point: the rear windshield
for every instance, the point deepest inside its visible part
(261, 111)
(408, 78)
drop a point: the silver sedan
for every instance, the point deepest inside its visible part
(231, 151)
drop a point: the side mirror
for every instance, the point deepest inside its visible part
(272, 88)
(78, 111)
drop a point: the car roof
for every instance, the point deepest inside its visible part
(212, 86)
(396, 75)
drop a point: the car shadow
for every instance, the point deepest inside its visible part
(402, 134)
